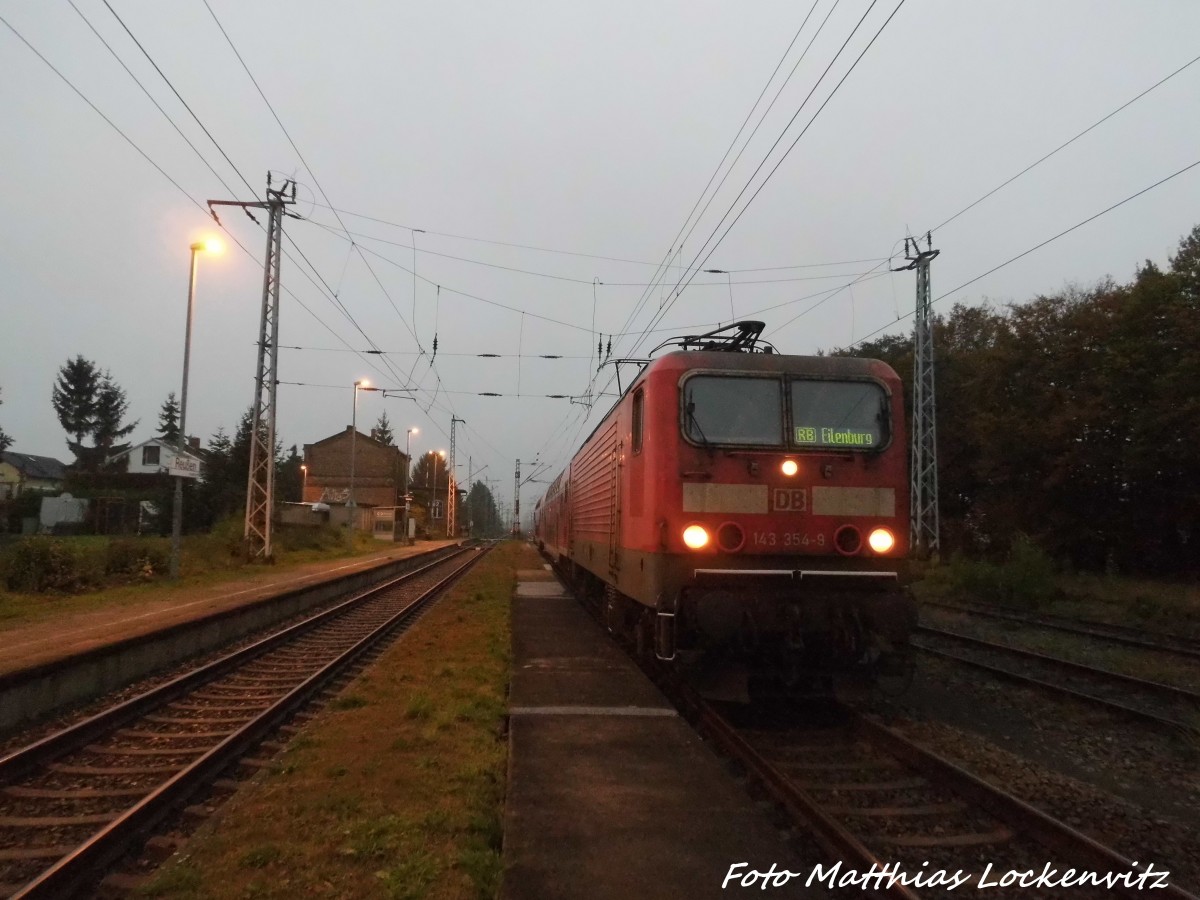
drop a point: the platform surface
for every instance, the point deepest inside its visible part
(46, 641)
(611, 794)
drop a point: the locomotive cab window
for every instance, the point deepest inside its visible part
(850, 415)
(723, 409)
(639, 420)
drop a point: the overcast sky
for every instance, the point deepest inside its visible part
(541, 147)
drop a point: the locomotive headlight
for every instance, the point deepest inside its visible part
(696, 537)
(881, 540)
(790, 467)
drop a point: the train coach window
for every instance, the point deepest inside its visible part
(720, 409)
(639, 420)
(845, 414)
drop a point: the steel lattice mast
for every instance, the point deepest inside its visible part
(260, 484)
(923, 498)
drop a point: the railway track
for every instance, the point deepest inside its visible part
(78, 801)
(1117, 634)
(1165, 705)
(879, 803)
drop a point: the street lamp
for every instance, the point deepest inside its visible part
(407, 462)
(360, 385)
(212, 246)
(303, 481)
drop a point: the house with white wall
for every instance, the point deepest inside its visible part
(157, 455)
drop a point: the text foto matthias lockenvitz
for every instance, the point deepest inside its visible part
(881, 877)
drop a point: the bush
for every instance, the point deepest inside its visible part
(40, 564)
(1026, 579)
(137, 559)
(308, 537)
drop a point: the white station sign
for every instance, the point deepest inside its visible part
(184, 467)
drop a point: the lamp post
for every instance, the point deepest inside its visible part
(212, 246)
(360, 385)
(303, 481)
(407, 463)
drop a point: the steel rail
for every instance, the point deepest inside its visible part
(1154, 687)
(833, 837)
(76, 870)
(1129, 636)
(1028, 680)
(1044, 829)
(1159, 688)
(26, 759)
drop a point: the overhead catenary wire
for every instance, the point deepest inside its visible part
(612, 282)
(661, 271)
(303, 161)
(1067, 143)
(698, 262)
(113, 125)
(1038, 246)
(178, 96)
(202, 126)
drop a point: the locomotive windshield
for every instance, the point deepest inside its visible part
(850, 415)
(720, 409)
(749, 411)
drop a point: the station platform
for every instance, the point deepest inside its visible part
(69, 633)
(610, 793)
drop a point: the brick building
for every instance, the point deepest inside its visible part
(378, 471)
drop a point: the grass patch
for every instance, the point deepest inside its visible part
(399, 798)
(43, 577)
(420, 706)
(260, 857)
(1028, 580)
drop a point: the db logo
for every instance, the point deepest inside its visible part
(790, 500)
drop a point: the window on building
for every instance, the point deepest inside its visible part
(150, 455)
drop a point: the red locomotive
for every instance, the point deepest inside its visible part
(744, 505)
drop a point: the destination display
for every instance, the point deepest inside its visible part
(834, 437)
(852, 415)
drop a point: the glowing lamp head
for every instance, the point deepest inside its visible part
(790, 467)
(208, 245)
(695, 537)
(881, 540)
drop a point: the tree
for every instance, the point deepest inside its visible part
(289, 480)
(428, 482)
(168, 419)
(5, 440)
(482, 515)
(90, 404)
(383, 431)
(111, 406)
(74, 399)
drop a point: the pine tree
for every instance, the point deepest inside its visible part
(74, 399)
(111, 406)
(168, 419)
(383, 431)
